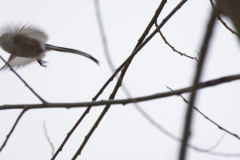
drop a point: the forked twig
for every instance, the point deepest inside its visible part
(111, 78)
(119, 82)
(139, 109)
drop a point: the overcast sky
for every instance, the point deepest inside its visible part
(123, 133)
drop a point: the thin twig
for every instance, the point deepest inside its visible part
(220, 19)
(111, 66)
(70, 132)
(189, 113)
(39, 97)
(218, 142)
(103, 35)
(207, 151)
(175, 50)
(204, 115)
(141, 44)
(48, 139)
(125, 101)
(119, 82)
(110, 79)
(12, 129)
(139, 109)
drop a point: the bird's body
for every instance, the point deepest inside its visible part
(27, 44)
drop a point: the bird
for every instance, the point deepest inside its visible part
(28, 43)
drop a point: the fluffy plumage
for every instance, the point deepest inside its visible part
(27, 44)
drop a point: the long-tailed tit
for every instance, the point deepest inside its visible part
(27, 44)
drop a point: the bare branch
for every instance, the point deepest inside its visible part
(110, 63)
(124, 101)
(217, 144)
(11, 131)
(170, 135)
(220, 19)
(110, 79)
(119, 82)
(40, 98)
(165, 40)
(48, 139)
(70, 132)
(141, 44)
(189, 114)
(139, 109)
(204, 115)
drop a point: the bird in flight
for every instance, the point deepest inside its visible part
(27, 43)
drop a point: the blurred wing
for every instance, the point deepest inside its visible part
(16, 62)
(11, 32)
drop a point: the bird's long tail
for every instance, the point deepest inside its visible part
(61, 49)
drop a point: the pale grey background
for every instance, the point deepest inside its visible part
(123, 133)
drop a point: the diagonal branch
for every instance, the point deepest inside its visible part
(220, 19)
(70, 132)
(170, 135)
(11, 131)
(119, 82)
(141, 44)
(175, 50)
(24, 110)
(213, 122)
(39, 97)
(139, 109)
(114, 74)
(189, 114)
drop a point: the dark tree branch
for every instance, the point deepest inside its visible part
(70, 132)
(139, 109)
(175, 50)
(170, 135)
(188, 118)
(220, 19)
(141, 44)
(11, 131)
(124, 101)
(119, 82)
(39, 97)
(213, 122)
(24, 110)
(114, 74)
